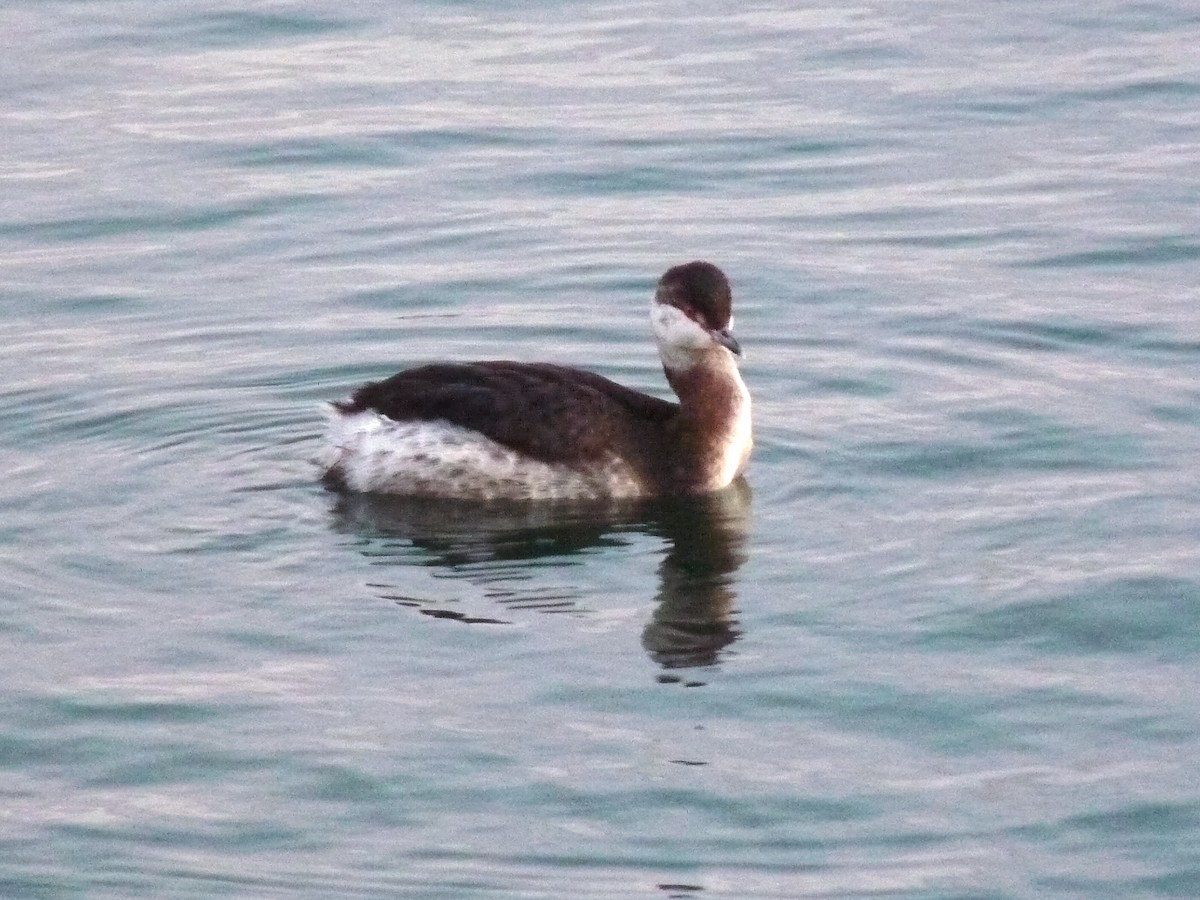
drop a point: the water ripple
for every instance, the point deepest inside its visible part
(939, 644)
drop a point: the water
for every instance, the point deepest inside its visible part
(943, 644)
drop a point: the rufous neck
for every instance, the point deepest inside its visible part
(711, 389)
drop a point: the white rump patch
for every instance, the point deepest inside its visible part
(371, 453)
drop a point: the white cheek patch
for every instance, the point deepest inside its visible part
(679, 339)
(672, 326)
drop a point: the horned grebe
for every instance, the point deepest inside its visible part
(521, 431)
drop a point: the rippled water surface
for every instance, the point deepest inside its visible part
(943, 643)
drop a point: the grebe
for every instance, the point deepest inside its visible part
(522, 431)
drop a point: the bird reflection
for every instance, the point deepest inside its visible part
(693, 617)
(499, 548)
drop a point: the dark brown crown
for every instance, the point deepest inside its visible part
(698, 288)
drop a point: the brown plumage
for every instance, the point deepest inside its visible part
(580, 421)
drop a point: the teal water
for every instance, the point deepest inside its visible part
(944, 643)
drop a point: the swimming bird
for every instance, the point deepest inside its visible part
(536, 431)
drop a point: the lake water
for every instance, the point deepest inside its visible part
(944, 642)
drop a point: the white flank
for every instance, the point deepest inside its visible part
(374, 454)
